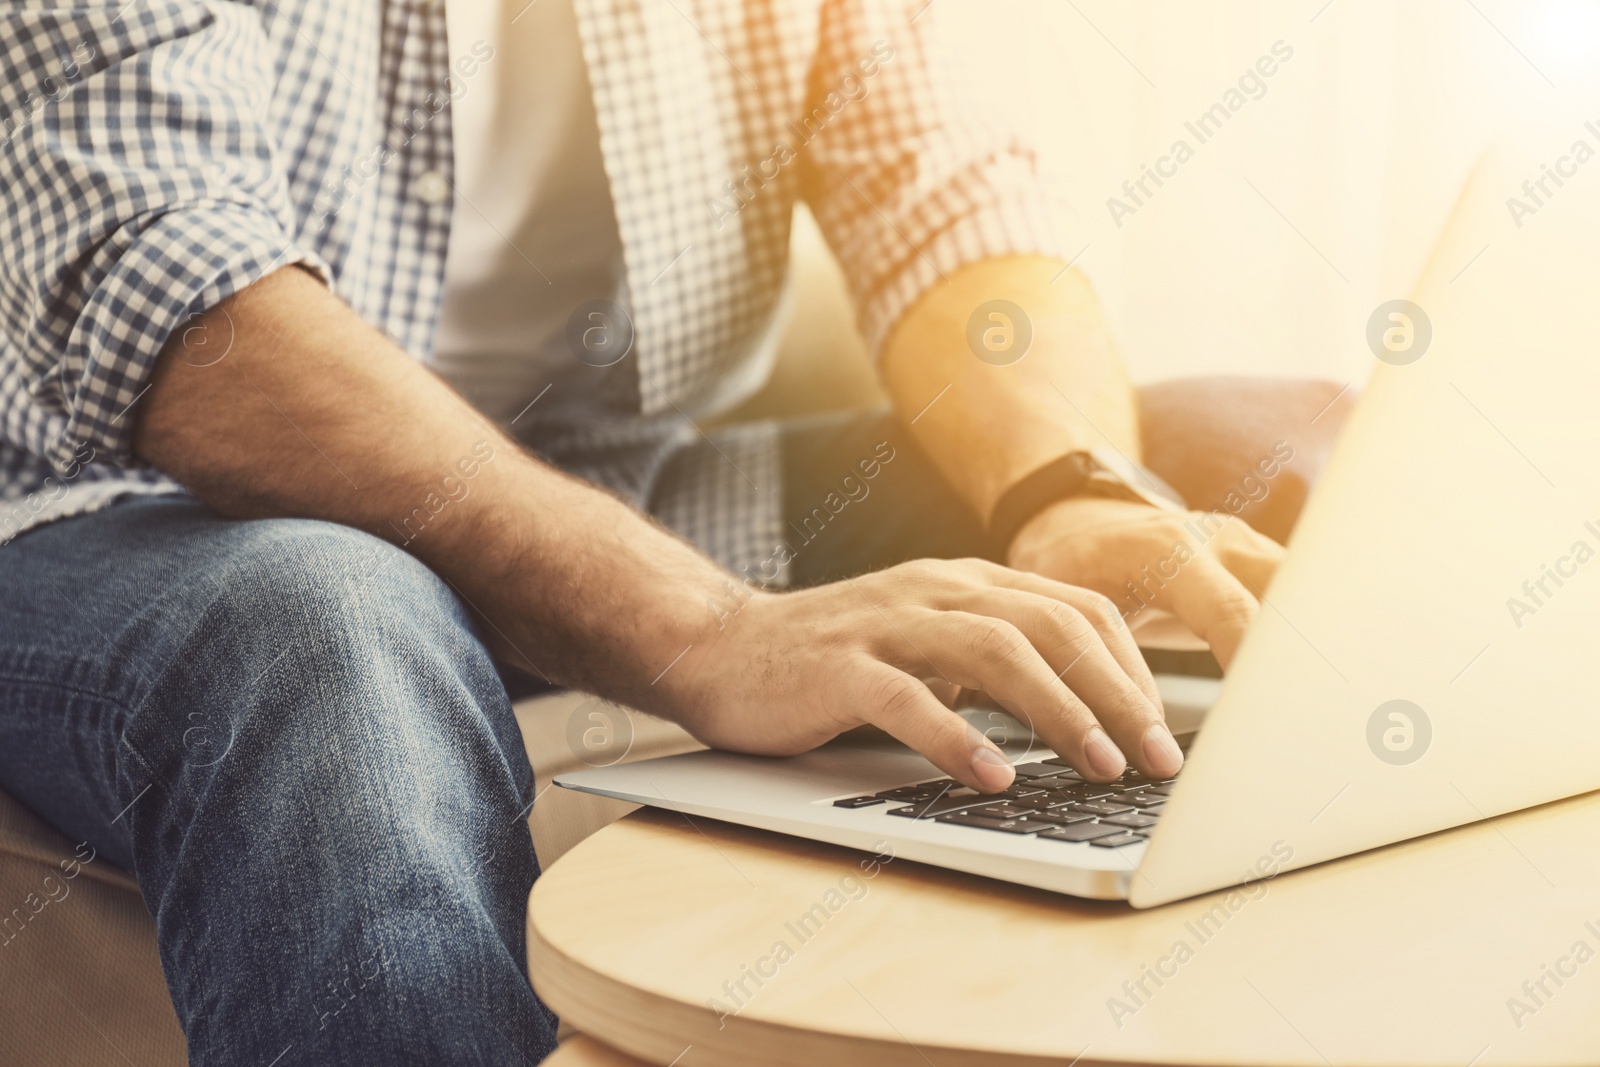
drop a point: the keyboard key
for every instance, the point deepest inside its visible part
(1083, 831)
(1003, 811)
(1060, 817)
(983, 822)
(1061, 761)
(1134, 778)
(1161, 789)
(1045, 801)
(914, 792)
(1141, 800)
(1018, 791)
(1036, 770)
(1132, 820)
(936, 806)
(1117, 841)
(858, 802)
(1075, 790)
(1101, 807)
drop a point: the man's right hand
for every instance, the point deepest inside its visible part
(789, 671)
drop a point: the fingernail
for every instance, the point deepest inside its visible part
(991, 769)
(1161, 752)
(1104, 758)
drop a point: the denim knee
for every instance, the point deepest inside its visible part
(326, 745)
(329, 664)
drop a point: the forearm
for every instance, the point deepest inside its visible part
(996, 423)
(313, 413)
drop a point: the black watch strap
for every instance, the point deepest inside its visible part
(1055, 481)
(1074, 474)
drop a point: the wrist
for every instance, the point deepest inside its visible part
(708, 666)
(1099, 474)
(1042, 541)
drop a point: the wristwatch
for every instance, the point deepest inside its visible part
(1099, 472)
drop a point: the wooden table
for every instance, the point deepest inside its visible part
(1417, 954)
(581, 1051)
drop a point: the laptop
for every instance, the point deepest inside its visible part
(1426, 656)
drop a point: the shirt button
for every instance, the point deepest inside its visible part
(432, 187)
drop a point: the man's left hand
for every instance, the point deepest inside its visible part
(1207, 568)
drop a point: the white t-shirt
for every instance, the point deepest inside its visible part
(533, 233)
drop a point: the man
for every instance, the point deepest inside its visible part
(235, 233)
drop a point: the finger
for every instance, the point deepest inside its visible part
(1213, 603)
(1074, 649)
(1252, 557)
(1099, 610)
(947, 692)
(907, 710)
(984, 652)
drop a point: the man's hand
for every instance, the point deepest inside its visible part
(793, 670)
(1206, 568)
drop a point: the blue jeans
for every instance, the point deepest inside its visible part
(292, 735)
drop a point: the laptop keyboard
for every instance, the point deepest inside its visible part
(1049, 800)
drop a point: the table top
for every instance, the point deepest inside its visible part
(701, 943)
(582, 1051)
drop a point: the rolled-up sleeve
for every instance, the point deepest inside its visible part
(907, 184)
(138, 187)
